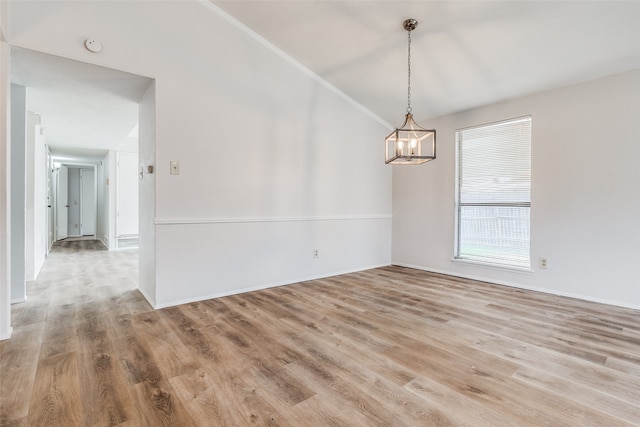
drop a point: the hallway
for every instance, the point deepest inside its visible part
(81, 289)
(77, 274)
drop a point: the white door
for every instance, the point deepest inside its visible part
(127, 195)
(87, 202)
(62, 202)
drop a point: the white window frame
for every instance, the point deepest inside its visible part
(501, 264)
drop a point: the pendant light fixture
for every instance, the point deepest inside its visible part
(410, 144)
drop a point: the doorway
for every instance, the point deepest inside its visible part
(76, 207)
(82, 210)
(95, 104)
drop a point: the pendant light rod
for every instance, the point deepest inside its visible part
(409, 25)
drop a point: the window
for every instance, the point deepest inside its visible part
(493, 199)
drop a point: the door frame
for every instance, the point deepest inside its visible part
(79, 165)
(147, 261)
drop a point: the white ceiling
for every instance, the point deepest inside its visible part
(85, 109)
(464, 54)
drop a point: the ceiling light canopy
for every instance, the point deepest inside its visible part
(410, 144)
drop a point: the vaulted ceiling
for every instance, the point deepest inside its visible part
(464, 54)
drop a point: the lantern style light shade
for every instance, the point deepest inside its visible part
(410, 144)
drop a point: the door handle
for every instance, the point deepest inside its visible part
(48, 206)
(66, 206)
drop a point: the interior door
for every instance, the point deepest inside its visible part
(62, 203)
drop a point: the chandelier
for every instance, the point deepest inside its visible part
(410, 144)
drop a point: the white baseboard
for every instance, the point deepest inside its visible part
(258, 287)
(149, 299)
(525, 287)
(6, 334)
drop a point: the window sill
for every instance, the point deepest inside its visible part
(496, 266)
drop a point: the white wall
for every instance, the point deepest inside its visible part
(102, 189)
(146, 194)
(256, 137)
(41, 214)
(73, 219)
(127, 194)
(585, 207)
(233, 256)
(113, 172)
(29, 181)
(36, 197)
(19, 236)
(4, 15)
(88, 201)
(5, 205)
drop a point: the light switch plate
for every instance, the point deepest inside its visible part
(175, 167)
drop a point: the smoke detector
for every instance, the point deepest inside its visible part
(93, 45)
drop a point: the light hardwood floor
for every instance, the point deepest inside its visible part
(384, 347)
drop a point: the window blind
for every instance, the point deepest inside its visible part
(494, 192)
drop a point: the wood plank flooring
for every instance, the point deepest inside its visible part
(384, 347)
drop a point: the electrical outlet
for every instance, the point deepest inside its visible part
(316, 253)
(543, 263)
